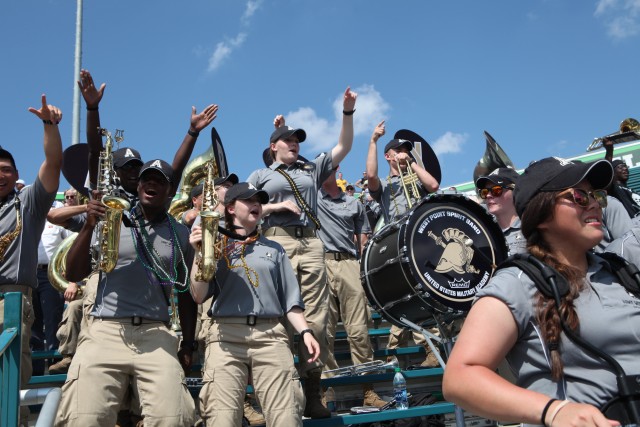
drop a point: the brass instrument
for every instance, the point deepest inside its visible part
(58, 266)
(108, 229)
(494, 157)
(409, 181)
(210, 218)
(629, 131)
(363, 368)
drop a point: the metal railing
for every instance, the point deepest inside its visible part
(10, 348)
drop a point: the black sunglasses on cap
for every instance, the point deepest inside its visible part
(496, 191)
(581, 197)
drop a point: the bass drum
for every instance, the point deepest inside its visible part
(432, 260)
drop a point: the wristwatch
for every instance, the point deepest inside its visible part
(191, 345)
(306, 331)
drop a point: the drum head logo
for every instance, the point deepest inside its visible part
(453, 251)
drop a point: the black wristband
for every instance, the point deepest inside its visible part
(411, 161)
(191, 345)
(349, 113)
(306, 331)
(193, 133)
(545, 410)
(49, 122)
(92, 108)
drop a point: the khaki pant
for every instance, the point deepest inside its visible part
(349, 302)
(75, 316)
(25, 359)
(235, 349)
(307, 259)
(114, 355)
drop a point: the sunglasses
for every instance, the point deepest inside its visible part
(496, 191)
(581, 197)
(69, 197)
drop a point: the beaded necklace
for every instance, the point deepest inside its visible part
(231, 247)
(154, 265)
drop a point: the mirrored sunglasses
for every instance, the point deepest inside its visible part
(496, 191)
(581, 197)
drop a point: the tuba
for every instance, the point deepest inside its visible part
(494, 157)
(108, 229)
(58, 265)
(210, 218)
(629, 131)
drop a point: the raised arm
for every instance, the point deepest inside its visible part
(198, 122)
(372, 158)
(49, 173)
(92, 97)
(340, 151)
(61, 216)
(428, 182)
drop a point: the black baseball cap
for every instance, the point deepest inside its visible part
(232, 178)
(500, 176)
(159, 165)
(244, 191)
(617, 163)
(397, 143)
(4, 154)
(124, 155)
(557, 174)
(196, 191)
(284, 132)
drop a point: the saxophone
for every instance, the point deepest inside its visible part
(210, 218)
(108, 229)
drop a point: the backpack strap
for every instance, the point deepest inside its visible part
(627, 273)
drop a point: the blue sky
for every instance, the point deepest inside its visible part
(544, 77)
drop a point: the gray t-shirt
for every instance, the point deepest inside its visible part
(132, 289)
(341, 218)
(392, 199)
(273, 294)
(307, 176)
(516, 242)
(609, 319)
(21, 257)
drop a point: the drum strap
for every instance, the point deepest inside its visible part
(302, 203)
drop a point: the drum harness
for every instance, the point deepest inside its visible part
(553, 285)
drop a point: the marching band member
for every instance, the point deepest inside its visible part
(254, 288)
(126, 341)
(290, 218)
(558, 383)
(22, 218)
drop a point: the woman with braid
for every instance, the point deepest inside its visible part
(253, 290)
(558, 383)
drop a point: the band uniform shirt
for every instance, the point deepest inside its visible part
(21, 260)
(130, 289)
(627, 246)
(277, 290)
(516, 243)
(341, 219)
(609, 319)
(615, 222)
(52, 236)
(392, 199)
(308, 177)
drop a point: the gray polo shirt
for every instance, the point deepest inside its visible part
(615, 222)
(516, 242)
(21, 257)
(341, 218)
(307, 176)
(602, 304)
(392, 199)
(277, 290)
(627, 246)
(132, 290)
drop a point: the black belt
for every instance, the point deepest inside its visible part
(295, 231)
(43, 266)
(338, 256)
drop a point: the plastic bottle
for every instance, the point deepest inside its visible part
(330, 398)
(400, 390)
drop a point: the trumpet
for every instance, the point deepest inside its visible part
(629, 131)
(363, 368)
(409, 181)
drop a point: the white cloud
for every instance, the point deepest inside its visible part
(223, 50)
(252, 7)
(450, 143)
(621, 17)
(323, 134)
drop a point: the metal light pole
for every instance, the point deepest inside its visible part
(75, 132)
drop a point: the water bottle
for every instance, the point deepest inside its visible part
(330, 398)
(400, 390)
